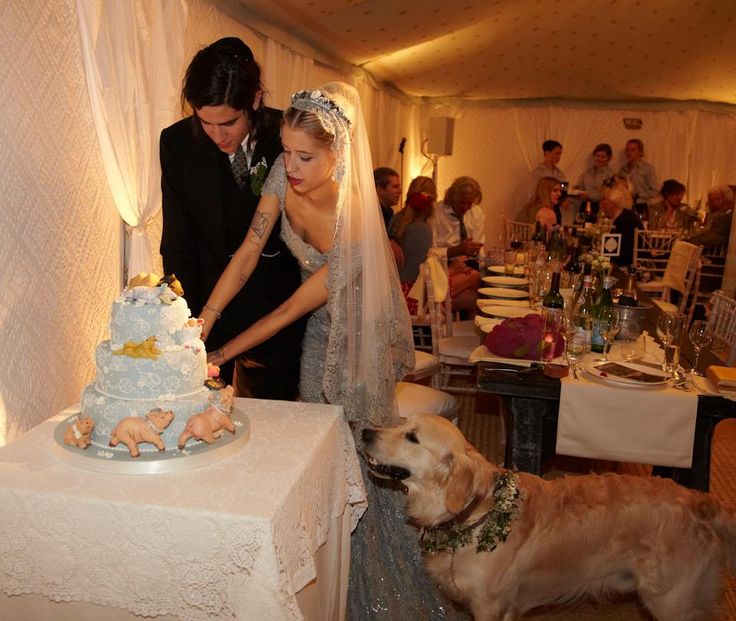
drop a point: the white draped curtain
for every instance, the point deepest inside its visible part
(285, 72)
(133, 54)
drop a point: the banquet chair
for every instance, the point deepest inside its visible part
(513, 229)
(426, 366)
(680, 274)
(722, 320)
(418, 399)
(652, 250)
(712, 268)
(453, 350)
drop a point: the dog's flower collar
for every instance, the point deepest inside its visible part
(451, 536)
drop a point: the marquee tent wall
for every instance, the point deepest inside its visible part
(62, 242)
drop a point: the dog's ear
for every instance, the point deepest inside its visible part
(459, 482)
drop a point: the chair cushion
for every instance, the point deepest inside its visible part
(464, 328)
(424, 361)
(652, 285)
(418, 399)
(458, 346)
(667, 307)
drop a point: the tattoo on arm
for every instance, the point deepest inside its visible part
(242, 280)
(259, 224)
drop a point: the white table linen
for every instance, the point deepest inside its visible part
(649, 425)
(235, 540)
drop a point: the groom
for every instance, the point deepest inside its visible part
(213, 167)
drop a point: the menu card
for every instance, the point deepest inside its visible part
(619, 370)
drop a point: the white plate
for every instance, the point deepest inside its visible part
(507, 311)
(500, 269)
(483, 302)
(502, 292)
(489, 325)
(506, 281)
(591, 366)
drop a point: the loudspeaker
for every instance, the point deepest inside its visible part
(440, 135)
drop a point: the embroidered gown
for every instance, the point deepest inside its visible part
(387, 577)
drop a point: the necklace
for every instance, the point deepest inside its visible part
(452, 535)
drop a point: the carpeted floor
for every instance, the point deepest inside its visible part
(480, 421)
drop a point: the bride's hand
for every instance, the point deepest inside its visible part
(217, 357)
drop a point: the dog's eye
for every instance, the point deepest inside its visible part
(412, 437)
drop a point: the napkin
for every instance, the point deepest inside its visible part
(439, 283)
(483, 354)
(722, 377)
(645, 425)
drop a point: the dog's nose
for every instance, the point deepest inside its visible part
(368, 435)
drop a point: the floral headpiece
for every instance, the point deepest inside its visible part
(419, 200)
(317, 99)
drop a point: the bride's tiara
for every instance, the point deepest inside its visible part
(319, 100)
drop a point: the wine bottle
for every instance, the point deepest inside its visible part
(553, 298)
(604, 303)
(585, 314)
(628, 295)
(538, 235)
(589, 212)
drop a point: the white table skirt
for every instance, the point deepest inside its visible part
(235, 540)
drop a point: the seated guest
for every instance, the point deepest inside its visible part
(640, 174)
(544, 208)
(458, 228)
(720, 212)
(411, 230)
(625, 222)
(388, 188)
(669, 213)
(592, 180)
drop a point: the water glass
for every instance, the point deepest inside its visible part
(633, 348)
(551, 327)
(509, 262)
(671, 359)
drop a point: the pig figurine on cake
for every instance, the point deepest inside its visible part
(209, 425)
(79, 433)
(133, 430)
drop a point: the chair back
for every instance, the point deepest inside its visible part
(681, 272)
(722, 320)
(712, 269)
(652, 250)
(521, 231)
(439, 301)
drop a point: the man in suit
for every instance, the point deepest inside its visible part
(213, 164)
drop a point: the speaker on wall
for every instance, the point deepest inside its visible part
(440, 135)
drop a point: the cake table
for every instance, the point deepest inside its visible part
(261, 534)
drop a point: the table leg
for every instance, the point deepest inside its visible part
(525, 434)
(698, 476)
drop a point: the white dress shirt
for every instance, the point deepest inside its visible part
(446, 226)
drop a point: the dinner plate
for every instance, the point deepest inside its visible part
(500, 269)
(506, 281)
(507, 312)
(502, 292)
(489, 325)
(655, 377)
(482, 302)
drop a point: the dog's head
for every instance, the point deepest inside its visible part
(440, 469)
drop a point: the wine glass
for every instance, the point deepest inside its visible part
(608, 324)
(575, 342)
(700, 336)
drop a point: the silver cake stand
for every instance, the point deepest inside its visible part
(195, 454)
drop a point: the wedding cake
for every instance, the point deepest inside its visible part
(154, 360)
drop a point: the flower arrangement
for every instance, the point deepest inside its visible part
(258, 176)
(598, 264)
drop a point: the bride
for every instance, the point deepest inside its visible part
(358, 341)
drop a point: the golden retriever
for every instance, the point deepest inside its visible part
(573, 537)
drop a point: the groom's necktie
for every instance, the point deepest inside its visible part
(240, 167)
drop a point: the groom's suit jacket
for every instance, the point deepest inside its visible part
(205, 218)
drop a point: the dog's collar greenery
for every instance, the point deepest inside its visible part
(452, 535)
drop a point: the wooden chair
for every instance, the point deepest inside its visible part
(722, 320)
(680, 274)
(521, 231)
(452, 350)
(652, 250)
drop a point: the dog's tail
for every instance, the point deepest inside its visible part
(724, 524)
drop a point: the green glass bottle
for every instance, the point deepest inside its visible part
(553, 297)
(538, 235)
(585, 313)
(605, 302)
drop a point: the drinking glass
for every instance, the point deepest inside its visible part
(700, 336)
(608, 323)
(576, 345)
(552, 319)
(669, 331)
(509, 262)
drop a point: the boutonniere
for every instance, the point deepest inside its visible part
(258, 176)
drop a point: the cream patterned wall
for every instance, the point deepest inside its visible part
(60, 235)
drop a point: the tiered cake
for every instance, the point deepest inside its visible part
(154, 359)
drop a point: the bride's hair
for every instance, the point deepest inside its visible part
(307, 121)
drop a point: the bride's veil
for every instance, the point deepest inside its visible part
(370, 344)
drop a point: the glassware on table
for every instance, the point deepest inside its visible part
(669, 331)
(608, 324)
(509, 262)
(576, 343)
(700, 336)
(552, 323)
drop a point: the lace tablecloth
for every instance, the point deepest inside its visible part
(235, 540)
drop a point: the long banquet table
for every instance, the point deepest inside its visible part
(532, 402)
(263, 534)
